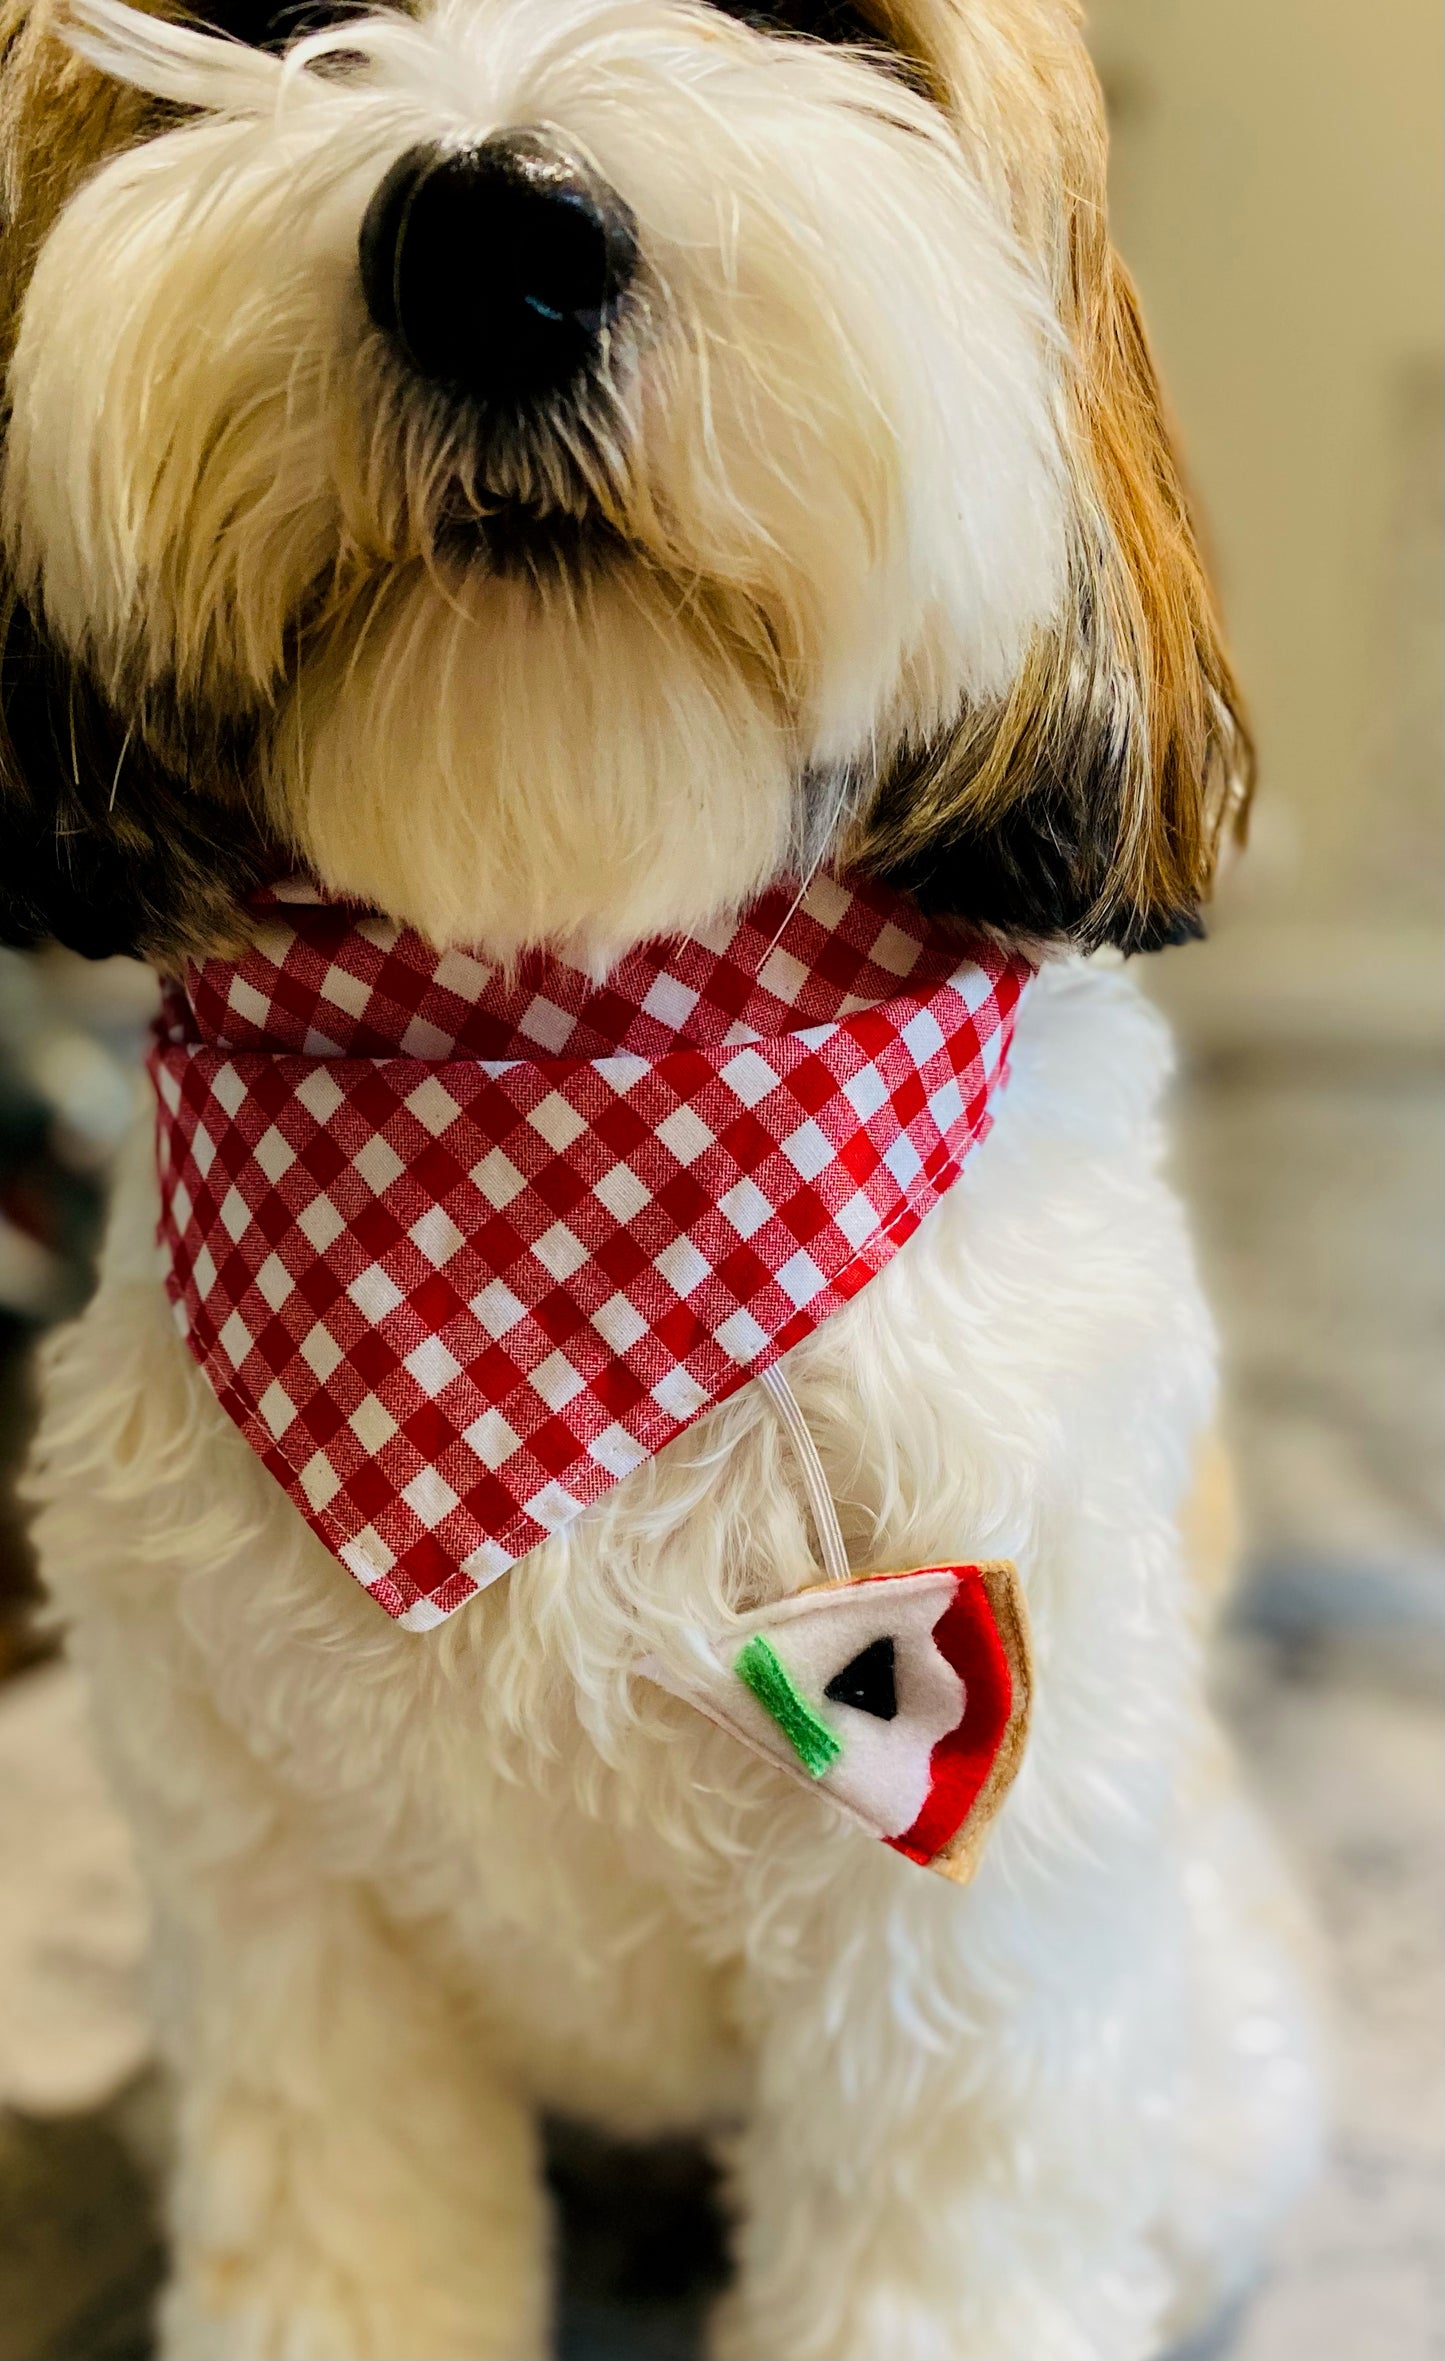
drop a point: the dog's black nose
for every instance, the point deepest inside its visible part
(496, 264)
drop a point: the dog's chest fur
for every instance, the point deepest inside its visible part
(592, 1861)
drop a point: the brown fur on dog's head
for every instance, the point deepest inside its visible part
(59, 119)
(162, 867)
(1090, 803)
(1083, 803)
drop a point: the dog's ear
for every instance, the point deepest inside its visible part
(105, 846)
(111, 838)
(1088, 804)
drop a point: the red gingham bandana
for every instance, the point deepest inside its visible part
(459, 1247)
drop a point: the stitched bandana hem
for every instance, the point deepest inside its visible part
(459, 1247)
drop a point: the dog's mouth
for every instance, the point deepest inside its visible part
(524, 538)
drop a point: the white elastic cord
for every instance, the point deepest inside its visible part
(815, 1482)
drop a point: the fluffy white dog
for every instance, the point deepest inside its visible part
(549, 470)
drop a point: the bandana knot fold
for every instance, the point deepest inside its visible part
(458, 1247)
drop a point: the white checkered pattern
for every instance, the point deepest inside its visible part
(458, 1248)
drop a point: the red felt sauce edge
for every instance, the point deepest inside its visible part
(967, 1637)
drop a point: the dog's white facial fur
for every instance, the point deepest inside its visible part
(824, 447)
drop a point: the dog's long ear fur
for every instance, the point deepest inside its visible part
(104, 845)
(107, 842)
(1089, 805)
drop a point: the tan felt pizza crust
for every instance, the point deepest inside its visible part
(961, 1855)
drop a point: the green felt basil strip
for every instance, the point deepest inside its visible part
(762, 1669)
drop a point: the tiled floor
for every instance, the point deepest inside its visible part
(1346, 1741)
(1319, 1197)
(1311, 1151)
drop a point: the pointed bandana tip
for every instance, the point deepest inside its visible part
(458, 1247)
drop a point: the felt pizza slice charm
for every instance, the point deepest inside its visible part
(903, 1698)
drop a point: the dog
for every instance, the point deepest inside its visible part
(551, 473)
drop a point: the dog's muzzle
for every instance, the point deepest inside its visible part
(497, 265)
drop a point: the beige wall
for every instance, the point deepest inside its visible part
(1277, 177)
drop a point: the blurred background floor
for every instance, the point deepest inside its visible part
(1343, 1735)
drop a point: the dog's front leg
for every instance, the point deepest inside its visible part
(950, 2157)
(352, 2182)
